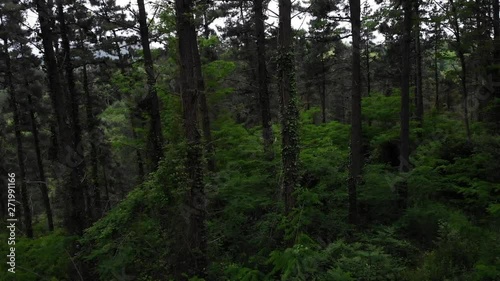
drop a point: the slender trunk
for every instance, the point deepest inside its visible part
(155, 136)
(463, 80)
(207, 132)
(496, 60)
(92, 130)
(436, 67)
(323, 91)
(78, 186)
(404, 156)
(418, 67)
(463, 76)
(288, 105)
(105, 179)
(368, 76)
(264, 100)
(356, 137)
(21, 180)
(75, 220)
(41, 170)
(188, 50)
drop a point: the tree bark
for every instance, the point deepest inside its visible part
(205, 117)
(463, 64)
(419, 112)
(155, 131)
(264, 100)
(188, 50)
(404, 156)
(21, 180)
(368, 75)
(356, 133)
(92, 127)
(78, 186)
(323, 91)
(75, 219)
(288, 105)
(436, 67)
(496, 60)
(41, 170)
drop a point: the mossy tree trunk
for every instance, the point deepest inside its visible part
(288, 105)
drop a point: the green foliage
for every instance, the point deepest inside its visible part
(345, 261)
(45, 257)
(381, 109)
(446, 233)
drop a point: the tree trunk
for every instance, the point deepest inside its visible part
(264, 100)
(288, 105)
(463, 76)
(465, 93)
(78, 187)
(155, 134)
(368, 76)
(92, 127)
(323, 91)
(188, 50)
(21, 180)
(436, 67)
(496, 61)
(418, 69)
(75, 220)
(356, 156)
(41, 170)
(404, 156)
(207, 133)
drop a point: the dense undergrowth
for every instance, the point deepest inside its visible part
(450, 230)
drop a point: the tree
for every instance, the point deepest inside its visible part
(78, 187)
(356, 155)
(264, 100)
(152, 102)
(24, 194)
(404, 154)
(419, 99)
(288, 105)
(41, 170)
(460, 49)
(188, 51)
(75, 219)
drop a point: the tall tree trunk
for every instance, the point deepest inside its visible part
(368, 75)
(418, 67)
(92, 127)
(436, 66)
(41, 170)
(188, 50)
(264, 100)
(465, 93)
(496, 60)
(78, 186)
(323, 91)
(205, 117)
(21, 180)
(288, 105)
(155, 136)
(404, 156)
(356, 133)
(463, 73)
(75, 220)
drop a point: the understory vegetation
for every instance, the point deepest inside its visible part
(449, 231)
